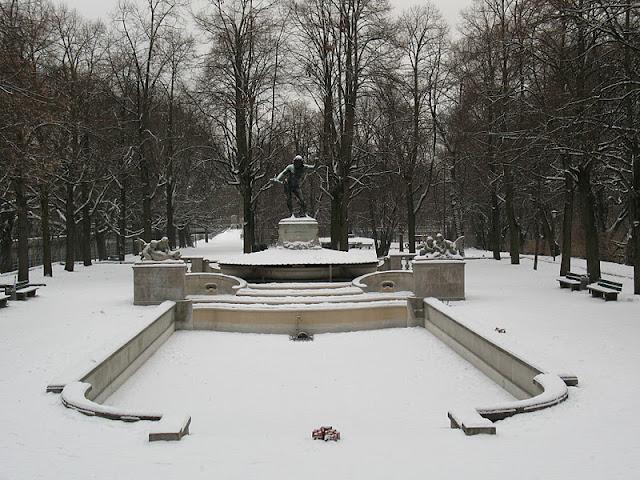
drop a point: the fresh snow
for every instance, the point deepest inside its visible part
(253, 403)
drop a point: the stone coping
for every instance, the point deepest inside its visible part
(294, 292)
(328, 307)
(374, 280)
(300, 299)
(74, 395)
(438, 260)
(298, 220)
(297, 285)
(534, 388)
(281, 256)
(196, 283)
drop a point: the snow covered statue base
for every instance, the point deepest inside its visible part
(299, 256)
(440, 277)
(298, 233)
(155, 282)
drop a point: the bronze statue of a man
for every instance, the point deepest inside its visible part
(291, 178)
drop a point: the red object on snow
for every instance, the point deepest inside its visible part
(326, 433)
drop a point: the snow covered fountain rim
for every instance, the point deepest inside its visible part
(84, 388)
(279, 256)
(300, 220)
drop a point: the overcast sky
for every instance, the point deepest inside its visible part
(101, 8)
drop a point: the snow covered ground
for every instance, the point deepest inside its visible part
(254, 399)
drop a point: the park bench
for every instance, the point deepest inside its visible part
(574, 281)
(11, 288)
(26, 292)
(3, 300)
(606, 289)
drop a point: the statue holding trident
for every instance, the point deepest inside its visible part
(291, 178)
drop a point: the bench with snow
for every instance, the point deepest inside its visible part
(574, 281)
(606, 289)
(3, 300)
(10, 289)
(26, 292)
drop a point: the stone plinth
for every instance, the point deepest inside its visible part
(442, 279)
(155, 282)
(298, 233)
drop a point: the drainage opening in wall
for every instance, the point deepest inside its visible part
(301, 337)
(388, 286)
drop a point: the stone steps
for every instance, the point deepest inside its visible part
(297, 299)
(291, 318)
(298, 292)
(298, 285)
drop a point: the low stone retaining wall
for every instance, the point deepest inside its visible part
(212, 284)
(386, 281)
(535, 388)
(291, 319)
(86, 387)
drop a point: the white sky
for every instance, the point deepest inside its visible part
(101, 8)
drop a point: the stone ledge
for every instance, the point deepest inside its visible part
(535, 388)
(170, 428)
(471, 423)
(74, 396)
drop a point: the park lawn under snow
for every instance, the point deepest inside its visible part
(253, 398)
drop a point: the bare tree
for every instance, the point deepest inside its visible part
(240, 78)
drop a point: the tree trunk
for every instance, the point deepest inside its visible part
(495, 224)
(537, 245)
(548, 230)
(70, 227)
(46, 236)
(7, 219)
(146, 204)
(171, 229)
(23, 228)
(585, 194)
(181, 237)
(190, 242)
(514, 228)
(567, 223)
(101, 244)
(248, 229)
(86, 227)
(411, 218)
(122, 236)
(339, 221)
(636, 223)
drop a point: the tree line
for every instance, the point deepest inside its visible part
(523, 127)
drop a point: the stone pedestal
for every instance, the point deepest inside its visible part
(298, 233)
(155, 282)
(442, 279)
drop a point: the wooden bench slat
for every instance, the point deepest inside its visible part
(606, 289)
(572, 280)
(603, 289)
(23, 293)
